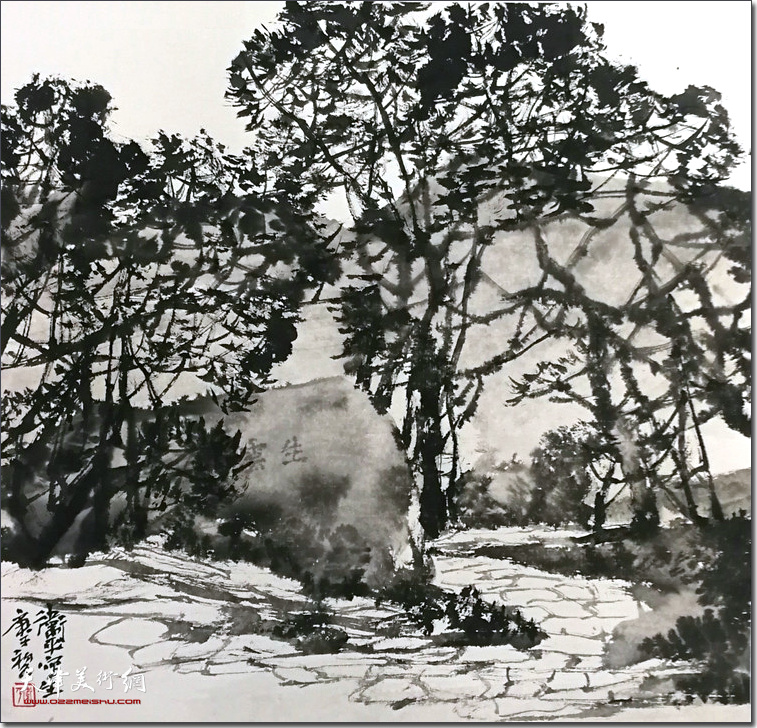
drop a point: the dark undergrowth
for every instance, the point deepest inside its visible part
(720, 640)
(463, 618)
(722, 649)
(609, 560)
(328, 563)
(311, 631)
(447, 618)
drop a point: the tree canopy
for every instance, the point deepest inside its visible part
(421, 119)
(125, 270)
(469, 141)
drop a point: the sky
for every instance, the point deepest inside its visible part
(165, 64)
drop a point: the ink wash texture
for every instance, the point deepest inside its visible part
(454, 453)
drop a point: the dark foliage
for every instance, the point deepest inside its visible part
(181, 468)
(184, 469)
(124, 270)
(607, 560)
(312, 633)
(569, 464)
(476, 508)
(720, 640)
(722, 648)
(560, 472)
(327, 561)
(471, 620)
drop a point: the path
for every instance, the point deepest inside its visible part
(172, 613)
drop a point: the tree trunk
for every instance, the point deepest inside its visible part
(600, 512)
(430, 447)
(600, 502)
(77, 495)
(646, 517)
(683, 468)
(716, 509)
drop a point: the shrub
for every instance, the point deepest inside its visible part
(484, 623)
(471, 620)
(551, 490)
(328, 562)
(12, 542)
(721, 646)
(720, 639)
(560, 469)
(323, 640)
(311, 633)
(476, 508)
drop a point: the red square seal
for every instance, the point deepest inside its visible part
(24, 695)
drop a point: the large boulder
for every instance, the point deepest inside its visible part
(325, 491)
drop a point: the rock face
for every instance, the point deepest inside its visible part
(326, 491)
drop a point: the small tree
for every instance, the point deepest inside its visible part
(561, 467)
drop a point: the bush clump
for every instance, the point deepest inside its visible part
(476, 508)
(720, 639)
(466, 618)
(312, 633)
(551, 490)
(721, 647)
(328, 562)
